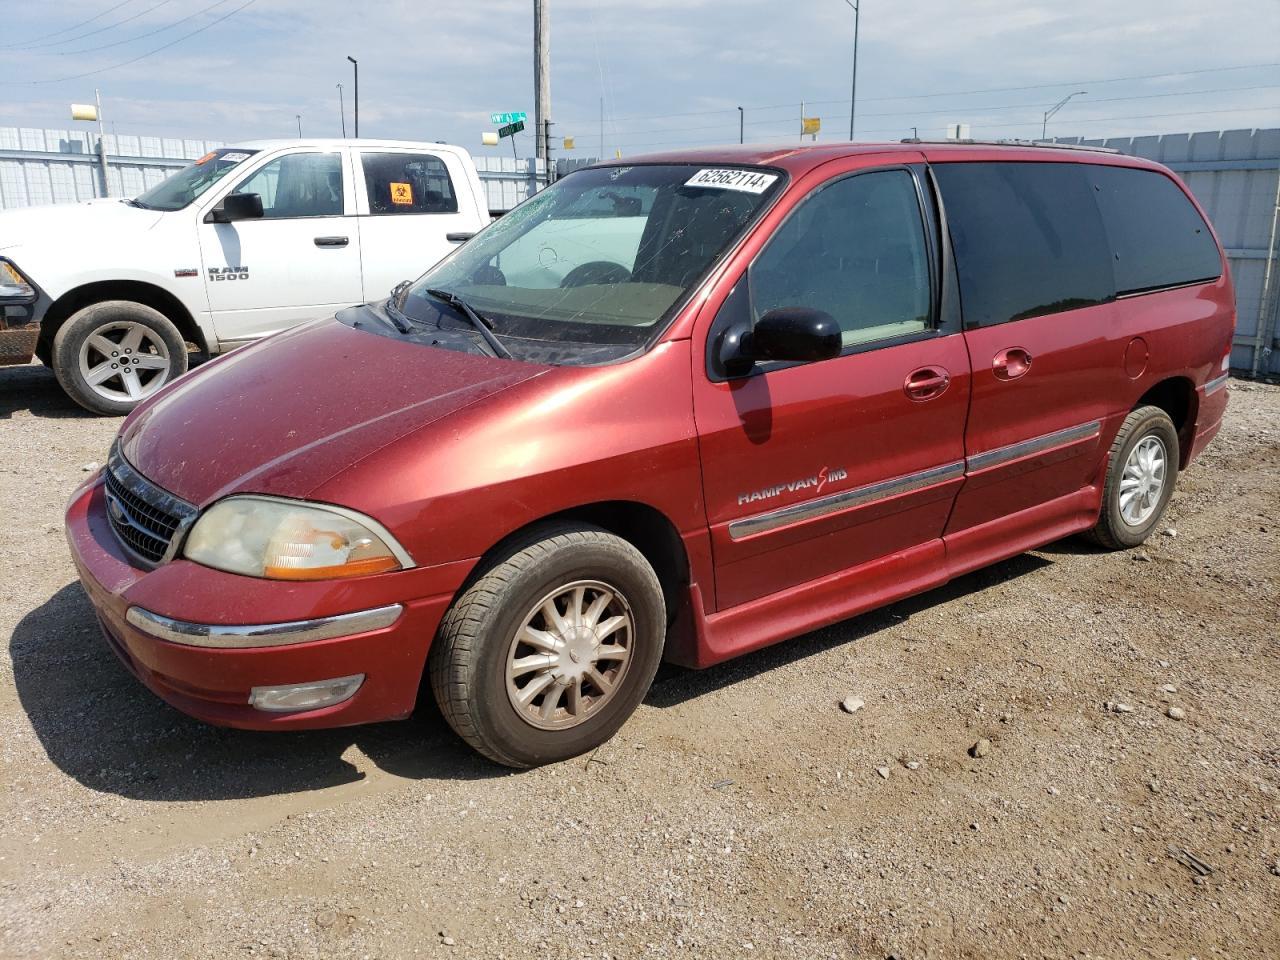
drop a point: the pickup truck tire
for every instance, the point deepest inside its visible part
(112, 355)
(1141, 472)
(569, 615)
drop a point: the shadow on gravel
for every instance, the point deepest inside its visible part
(102, 727)
(675, 685)
(35, 389)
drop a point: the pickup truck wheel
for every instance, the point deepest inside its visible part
(549, 651)
(1140, 477)
(110, 356)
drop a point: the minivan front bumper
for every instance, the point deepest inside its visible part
(178, 628)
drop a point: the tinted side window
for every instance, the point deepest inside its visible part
(1028, 239)
(298, 185)
(1157, 237)
(408, 183)
(855, 249)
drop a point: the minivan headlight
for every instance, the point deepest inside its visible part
(283, 539)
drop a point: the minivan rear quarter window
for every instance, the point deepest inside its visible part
(1028, 239)
(1157, 237)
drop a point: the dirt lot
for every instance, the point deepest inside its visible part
(740, 813)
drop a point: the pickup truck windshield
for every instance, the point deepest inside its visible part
(600, 257)
(191, 181)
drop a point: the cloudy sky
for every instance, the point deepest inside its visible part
(670, 72)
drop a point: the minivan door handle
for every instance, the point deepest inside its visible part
(926, 383)
(1011, 363)
(461, 237)
(332, 241)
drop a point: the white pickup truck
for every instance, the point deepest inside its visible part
(245, 241)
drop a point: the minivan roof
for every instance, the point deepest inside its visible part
(799, 160)
(341, 142)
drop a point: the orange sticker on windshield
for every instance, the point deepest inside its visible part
(402, 193)
(207, 157)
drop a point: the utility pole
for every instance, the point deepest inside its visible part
(355, 67)
(542, 80)
(601, 154)
(298, 116)
(102, 144)
(853, 91)
(742, 125)
(342, 110)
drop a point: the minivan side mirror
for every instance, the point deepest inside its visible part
(236, 206)
(794, 334)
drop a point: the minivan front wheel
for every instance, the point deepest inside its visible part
(1140, 477)
(550, 650)
(112, 355)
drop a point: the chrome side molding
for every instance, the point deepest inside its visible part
(1023, 448)
(1216, 384)
(844, 500)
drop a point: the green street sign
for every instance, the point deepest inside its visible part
(518, 116)
(511, 129)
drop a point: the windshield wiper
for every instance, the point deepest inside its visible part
(138, 203)
(474, 319)
(395, 314)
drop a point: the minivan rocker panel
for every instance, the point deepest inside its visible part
(639, 480)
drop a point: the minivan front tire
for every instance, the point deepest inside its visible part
(112, 355)
(1141, 471)
(547, 653)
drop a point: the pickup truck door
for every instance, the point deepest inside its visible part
(409, 202)
(299, 261)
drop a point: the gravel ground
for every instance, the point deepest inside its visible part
(740, 813)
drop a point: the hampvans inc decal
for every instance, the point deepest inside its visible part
(813, 484)
(218, 274)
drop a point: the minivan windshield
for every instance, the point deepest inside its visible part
(599, 257)
(188, 183)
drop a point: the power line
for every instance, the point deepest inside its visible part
(944, 93)
(142, 36)
(792, 121)
(143, 56)
(90, 33)
(970, 109)
(76, 26)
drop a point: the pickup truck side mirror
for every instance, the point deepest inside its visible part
(236, 206)
(795, 334)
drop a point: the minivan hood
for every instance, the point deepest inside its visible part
(284, 415)
(64, 223)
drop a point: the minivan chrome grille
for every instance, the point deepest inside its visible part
(147, 520)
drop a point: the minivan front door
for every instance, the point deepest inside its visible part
(300, 260)
(812, 469)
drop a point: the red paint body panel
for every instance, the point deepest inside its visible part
(453, 452)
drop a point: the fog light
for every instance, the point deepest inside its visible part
(305, 696)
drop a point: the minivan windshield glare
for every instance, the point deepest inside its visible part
(601, 256)
(188, 183)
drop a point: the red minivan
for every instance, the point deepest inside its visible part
(679, 407)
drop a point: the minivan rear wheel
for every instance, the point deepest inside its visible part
(110, 356)
(1141, 473)
(547, 653)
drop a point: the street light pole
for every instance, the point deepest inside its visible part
(355, 68)
(741, 125)
(342, 110)
(1044, 129)
(853, 92)
(298, 116)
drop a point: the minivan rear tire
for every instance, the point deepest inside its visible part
(1149, 426)
(476, 660)
(75, 358)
